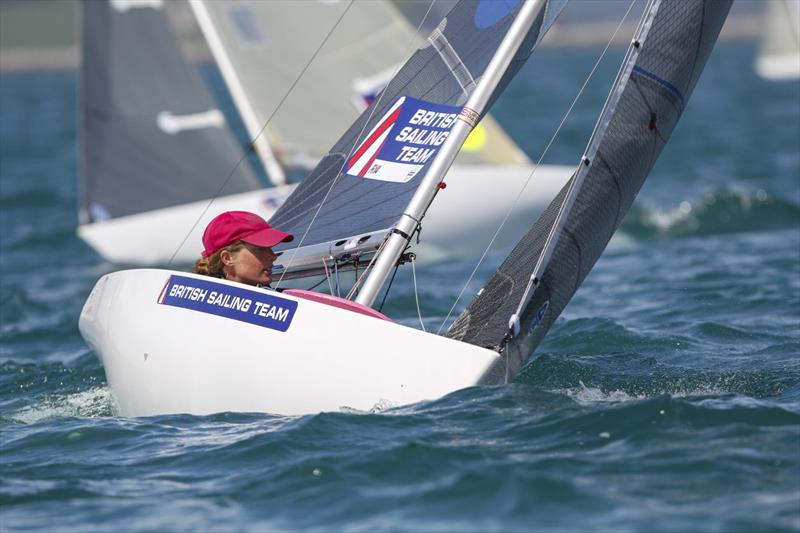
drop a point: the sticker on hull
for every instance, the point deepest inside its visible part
(407, 137)
(235, 303)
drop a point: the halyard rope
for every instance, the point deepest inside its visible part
(416, 292)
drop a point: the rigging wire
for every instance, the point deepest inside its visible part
(536, 166)
(416, 292)
(389, 287)
(327, 275)
(373, 107)
(336, 273)
(261, 132)
(359, 279)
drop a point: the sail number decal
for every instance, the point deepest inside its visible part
(253, 307)
(539, 316)
(407, 136)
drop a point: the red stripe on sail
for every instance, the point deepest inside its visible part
(382, 128)
(371, 160)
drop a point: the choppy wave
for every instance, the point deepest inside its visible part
(666, 398)
(719, 212)
(95, 402)
(626, 377)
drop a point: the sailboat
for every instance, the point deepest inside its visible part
(261, 60)
(778, 55)
(174, 342)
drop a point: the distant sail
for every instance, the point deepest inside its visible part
(151, 135)
(779, 50)
(261, 41)
(652, 93)
(365, 181)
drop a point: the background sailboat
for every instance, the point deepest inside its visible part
(779, 49)
(245, 38)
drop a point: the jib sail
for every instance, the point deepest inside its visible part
(529, 290)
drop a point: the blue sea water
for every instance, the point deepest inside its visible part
(666, 398)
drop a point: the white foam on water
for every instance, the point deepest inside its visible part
(664, 220)
(94, 402)
(588, 395)
(380, 406)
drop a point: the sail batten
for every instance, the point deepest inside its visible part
(651, 97)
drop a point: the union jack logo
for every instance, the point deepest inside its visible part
(362, 159)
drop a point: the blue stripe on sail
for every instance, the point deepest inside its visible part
(664, 83)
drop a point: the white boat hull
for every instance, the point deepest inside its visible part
(776, 67)
(162, 358)
(175, 233)
(467, 213)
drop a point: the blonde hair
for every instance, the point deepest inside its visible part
(212, 265)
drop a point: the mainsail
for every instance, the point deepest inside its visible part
(523, 298)
(144, 150)
(363, 184)
(368, 42)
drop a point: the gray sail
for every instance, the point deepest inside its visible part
(363, 193)
(151, 134)
(652, 94)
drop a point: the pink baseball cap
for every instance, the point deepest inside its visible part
(233, 226)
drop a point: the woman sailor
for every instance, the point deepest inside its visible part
(238, 247)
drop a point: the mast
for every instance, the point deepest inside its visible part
(254, 127)
(467, 118)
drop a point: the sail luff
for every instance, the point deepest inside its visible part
(254, 128)
(577, 181)
(467, 119)
(83, 172)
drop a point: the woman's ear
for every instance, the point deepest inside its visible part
(226, 257)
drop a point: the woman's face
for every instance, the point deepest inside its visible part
(250, 264)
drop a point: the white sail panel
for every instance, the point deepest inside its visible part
(366, 48)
